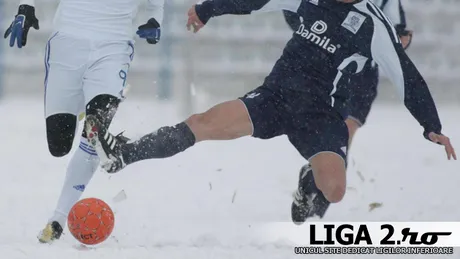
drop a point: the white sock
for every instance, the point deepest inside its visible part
(79, 172)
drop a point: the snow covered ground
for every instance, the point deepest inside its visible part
(203, 202)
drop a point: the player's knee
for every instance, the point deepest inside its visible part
(332, 188)
(103, 107)
(60, 131)
(228, 120)
(331, 184)
(200, 124)
(205, 126)
(335, 193)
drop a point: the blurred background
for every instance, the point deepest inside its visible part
(231, 55)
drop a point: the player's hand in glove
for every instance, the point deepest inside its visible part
(150, 31)
(19, 28)
(445, 141)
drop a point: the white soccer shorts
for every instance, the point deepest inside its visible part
(77, 70)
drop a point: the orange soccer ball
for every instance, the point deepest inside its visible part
(91, 221)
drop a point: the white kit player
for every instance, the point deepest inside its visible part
(87, 59)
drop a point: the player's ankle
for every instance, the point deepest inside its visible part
(127, 154)
(334, 194)
(59, 217)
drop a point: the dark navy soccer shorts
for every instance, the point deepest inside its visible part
(274, 113)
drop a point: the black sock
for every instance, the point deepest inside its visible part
(321, 204)
(165, 142)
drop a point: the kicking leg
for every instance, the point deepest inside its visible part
(225, 121)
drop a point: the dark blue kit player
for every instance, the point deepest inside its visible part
(303, 97)
(364, 84)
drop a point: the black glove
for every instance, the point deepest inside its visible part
(21, 24)
(150, 31)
